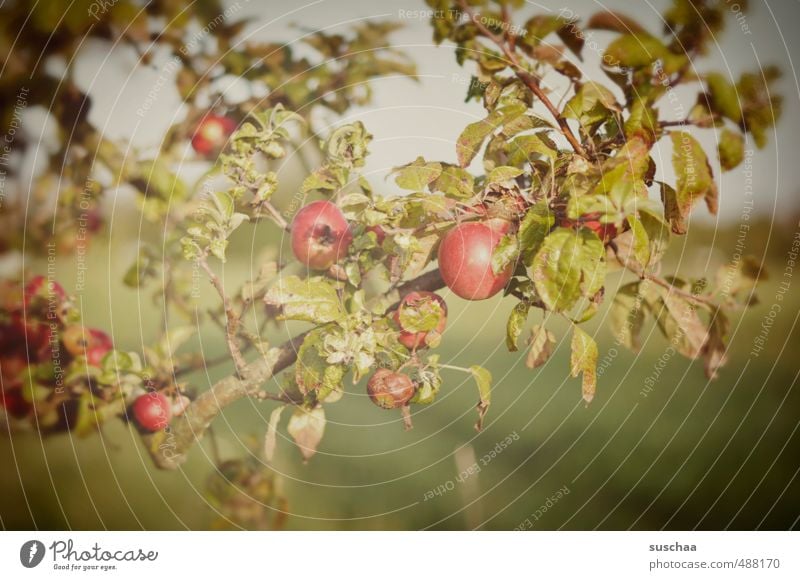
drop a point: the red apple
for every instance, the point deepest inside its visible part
(91, 342)
(14, 402)
(390, 390)
(420, 302)
(211, 134)
(40, 287)
(605, 232)
(320, 235)
(465, 259)
(379, 233)
(152, 411)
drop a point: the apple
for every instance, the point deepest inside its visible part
(380, 234)
(420, 303)
(92, 343)
(320, 235)
(152, 411)
(390, 390)
(605, 232)
(40, 287)
(212, 133)
(465, 259)
(14, 402)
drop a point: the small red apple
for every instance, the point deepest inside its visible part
(605, 232)
(40, 287)
(91, 342)
(390, 390)
(14, 402)
(465, 259)
(380, 234)
(212, 133)
(320, 235)
(420, 302)
(152, 411)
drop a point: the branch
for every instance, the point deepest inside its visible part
(526, 77)
(231, 319)
(643, 275)
(168, 448)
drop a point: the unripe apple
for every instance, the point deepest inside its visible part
(91, 342)
(321, 235)
(390, 390)
(465, 259)
(152, 411)
(421, 302)
(211, 134)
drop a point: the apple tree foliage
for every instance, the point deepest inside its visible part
(567, 177)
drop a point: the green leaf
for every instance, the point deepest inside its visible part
(307, 428)
(694, 177)
(309, 371)
(641, 242)
(310, 300)
(418, 174)
(615, 22)
(627, 316)
(584, 360)
(473, 136)
(515, 324)
(634, 51)
(161, 181)
(591, 104)
(505, 253)
(483, 378)
(730, 149)
(533, 229)
(454, 182)
(680, 323)
(541, 343)
(423, 315)
(724, 97)
(502, 174)
(570, 264)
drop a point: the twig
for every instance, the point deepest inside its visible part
(231, 319)
(530, 81)
(169, 448)
(697, 299)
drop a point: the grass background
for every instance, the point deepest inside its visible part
(691, 453)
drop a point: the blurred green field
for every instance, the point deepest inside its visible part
(690, 453)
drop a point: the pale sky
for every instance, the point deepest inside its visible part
(425, 117)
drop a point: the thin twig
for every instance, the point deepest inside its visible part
(526, 77)
(231, 319)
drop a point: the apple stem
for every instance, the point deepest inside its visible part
(455, 368)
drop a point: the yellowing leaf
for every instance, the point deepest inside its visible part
(569, 264)
(483, 378)
(542, 342)
(473, 136)
(516, 321)
(627, 316)
(584, 360)
(634, 51)
(694, 178)
(309, 300)
(730, 149)
(307, 428)
(270, 439)
(418, 174)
